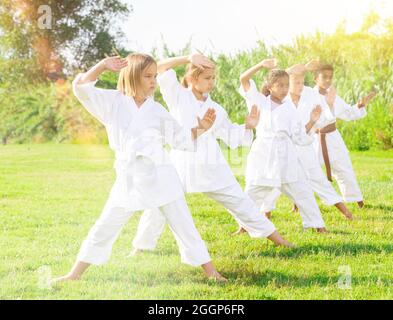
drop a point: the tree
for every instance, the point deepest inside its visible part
(42, 39)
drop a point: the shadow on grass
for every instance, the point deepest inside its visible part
(336, 250)
(345, 249)
(280, 279)
(380, 207)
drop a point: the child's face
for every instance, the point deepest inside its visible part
(324, 79)
(280, 88)
(204, 83)
(296, 85)
(148, 82)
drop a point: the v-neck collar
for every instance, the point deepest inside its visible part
(201, 102)
(143, 105)
(332, 109)
(278, 105)
(289, 98)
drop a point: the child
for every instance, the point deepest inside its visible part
(137, 128)
(331, 147)
(273, 165)
(206, 170)
(314, 114)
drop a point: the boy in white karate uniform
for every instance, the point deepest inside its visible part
(206, 170)
(314, 114)
(331, 148)
(273, 165)
(137, 128)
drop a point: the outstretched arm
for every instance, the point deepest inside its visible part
(235, 135)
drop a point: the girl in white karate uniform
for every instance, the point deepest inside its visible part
(330, 147)
(137, 128)
(206, 170)
(273, 165)
(314, 114)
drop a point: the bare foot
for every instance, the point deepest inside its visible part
(361, 204)
(294, 209)
(278, 240)
(135, 252)
(67, 277)
(344, 210)
(286, 244)
(348, 215)
(217, 277)
(268, 215)
(321, 230)
(240, 231)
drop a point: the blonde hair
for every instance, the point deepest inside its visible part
(273, 76)
(130, 76)
(191, 71)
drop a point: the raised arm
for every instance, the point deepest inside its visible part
(99, 102)
(111, 64)
(196, 59)
(246, 76)
(297, 69)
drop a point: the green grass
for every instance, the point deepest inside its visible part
(50, 196)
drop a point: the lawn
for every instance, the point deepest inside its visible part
(50, 196)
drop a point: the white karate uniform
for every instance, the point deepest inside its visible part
(273, 164)
(205, 170)
(340, 161)
(309, 99)
(145, 176)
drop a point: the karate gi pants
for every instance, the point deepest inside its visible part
(97, 247)
(240, 206)
(299, 192)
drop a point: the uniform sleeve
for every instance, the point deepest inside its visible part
(170, 89)
(233, 134)
(326, 117)
(99, 102)
(174, 134)
(299, 135)
(346, 112)
(253, 96)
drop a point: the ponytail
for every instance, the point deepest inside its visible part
(184, 82)
(265, 90)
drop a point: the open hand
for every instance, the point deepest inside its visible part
(366, 100)
(312, 65)
(297, 69)
(115, 63)
(208, 120)
(252, 119)
(331, 96)
(200, 61)
(315, 114)
(269, 63)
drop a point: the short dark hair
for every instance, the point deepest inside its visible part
(273, 76)
(322, 68)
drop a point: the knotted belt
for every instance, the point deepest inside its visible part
(322, 135)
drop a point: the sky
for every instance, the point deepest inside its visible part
(229, 26)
